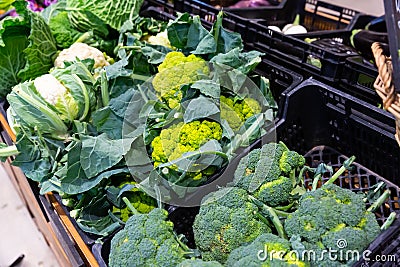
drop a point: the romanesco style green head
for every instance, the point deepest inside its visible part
(142, 202)
(175, 71)
(146, 240)
(236, 112)
(180, 138)
(226, 220)
(275, 253)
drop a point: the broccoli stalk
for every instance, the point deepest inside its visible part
(188, 252)
(379, 201)
(389, 221)
(375, 193)
(272, 214)
(130, 206)
(319, 171)
(346, 166)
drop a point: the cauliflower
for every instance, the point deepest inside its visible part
(57, 95)
(160, 39)
(237, 112)
(178, 139)
(81, 51)
(49, 88)
(175, 71)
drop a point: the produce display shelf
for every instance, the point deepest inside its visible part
(281, 79)
(326, 125)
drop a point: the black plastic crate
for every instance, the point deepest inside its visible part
(358, 79)
(323, 59)
(385, 250)
(324, 124)
(316, 114)
(358, 180)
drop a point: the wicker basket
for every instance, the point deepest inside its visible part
(384, 85)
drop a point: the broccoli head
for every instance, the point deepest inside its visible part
(291, 160)
(180, 138)
(147, 240)
(236, 112)
(199, 263)
(329, 214)
(226, 220)
(259, 173)
(175, 71)
(275, 252)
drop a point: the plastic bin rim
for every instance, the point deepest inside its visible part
(311, 81)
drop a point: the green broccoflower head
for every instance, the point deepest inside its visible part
(175, 71)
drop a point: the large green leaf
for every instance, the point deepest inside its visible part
(200, 108)
(115, 13)
(101, 153)
(12, 59)
(42, 49)
(53, 9)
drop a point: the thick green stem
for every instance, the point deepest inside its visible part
(8, 151)
(105, 95)
(379, 201)
(389, 221)
(134, 47)
(59, 125)
(187, 251)
(378, 187)
(346, 166)
(140, 77)
(263, 219)
(85, 96)
(84, 37)
(301, 174)
(130, 206)
(285, 208)
(271, 214)
(315, 181)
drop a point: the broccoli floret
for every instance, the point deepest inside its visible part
(199, 263)
(64, 33)
(227, 219)
(275, 253)
(175, 71)
(275, 193)
(291, 160)
(259, 166)
(178, 139)
(260, 174)
(236, 112)
(329, 214)
(147, 240)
